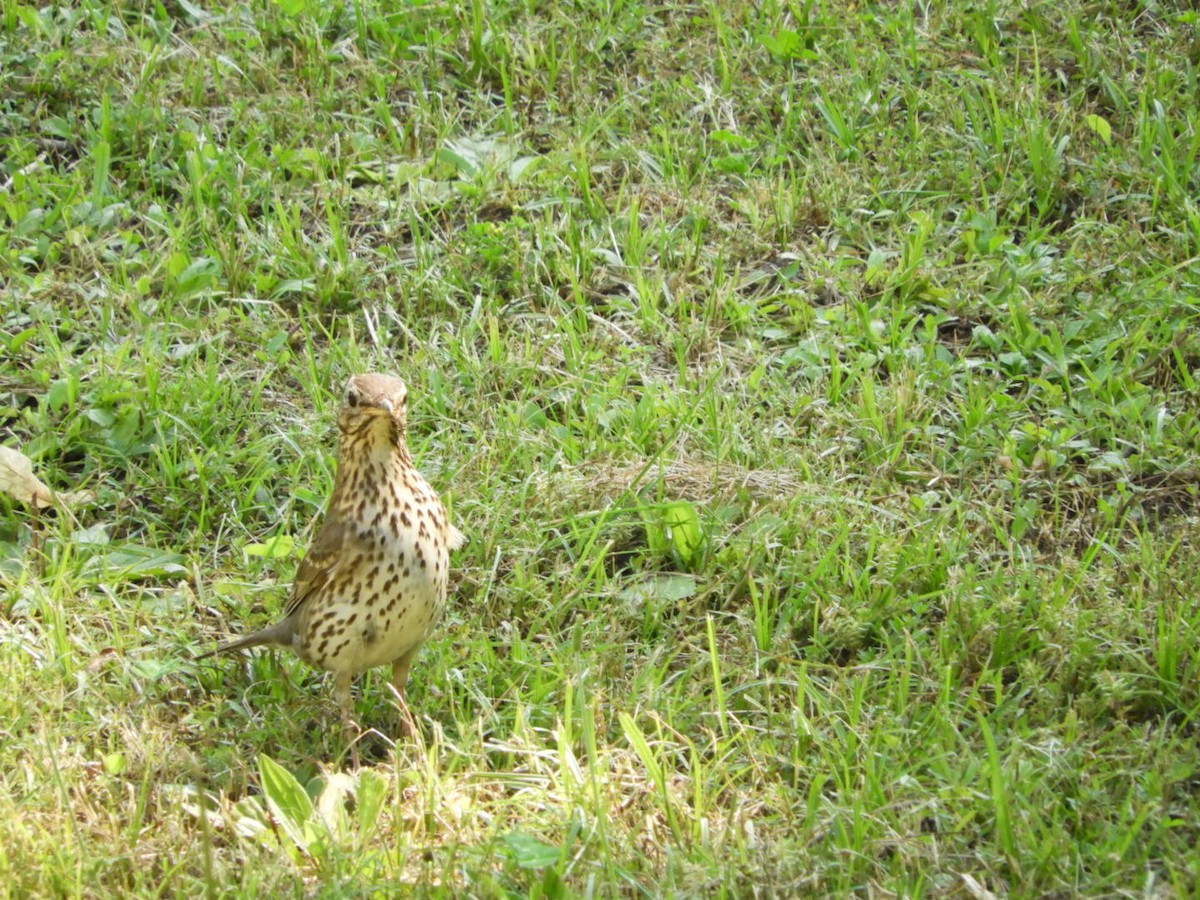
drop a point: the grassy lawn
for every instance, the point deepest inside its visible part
(816, 382)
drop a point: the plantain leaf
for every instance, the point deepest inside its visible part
(286, 797)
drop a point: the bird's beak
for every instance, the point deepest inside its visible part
(386, 406)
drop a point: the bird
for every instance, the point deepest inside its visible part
(373, 584)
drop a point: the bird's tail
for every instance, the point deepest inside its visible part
(279, 633)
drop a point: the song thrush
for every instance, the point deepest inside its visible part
(373, 584)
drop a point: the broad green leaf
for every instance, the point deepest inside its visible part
(101, 161)
(1101, 127)
(459, 163)
(292, 286)
(115, 763)
(683, 526)
(372, 791)
(136, 561)
(670, 588)
(331, 805)
(287, 800)
(784, 43)
(63, 394)
(278, 547)
(524, 165)
(18, 340)
(530, 853)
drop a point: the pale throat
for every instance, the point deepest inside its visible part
(373, 452)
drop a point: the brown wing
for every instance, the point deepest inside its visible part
(330, 549)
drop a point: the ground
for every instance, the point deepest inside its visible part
(816, 383)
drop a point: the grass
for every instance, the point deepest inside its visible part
(817, 384)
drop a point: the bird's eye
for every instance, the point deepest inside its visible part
(351, 398)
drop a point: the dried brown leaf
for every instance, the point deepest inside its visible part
(18, 481)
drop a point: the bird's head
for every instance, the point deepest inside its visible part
(374, 406)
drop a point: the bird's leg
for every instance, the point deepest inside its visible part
(400, 669)
(341, 692)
